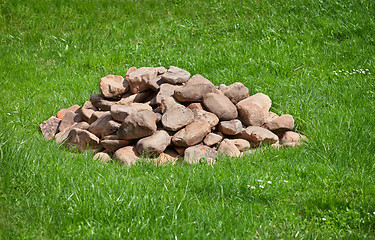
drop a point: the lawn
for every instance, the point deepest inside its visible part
(314, 59)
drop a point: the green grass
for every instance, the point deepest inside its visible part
(53, 53)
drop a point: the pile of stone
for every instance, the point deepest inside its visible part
(169, 116)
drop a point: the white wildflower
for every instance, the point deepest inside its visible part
(260, 180)
(261, 186)
(286, 181)
(269, 182)
(324, 219)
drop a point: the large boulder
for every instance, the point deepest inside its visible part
(177, 118)
(193, 93)
(113, 86)
(197, 153)
(175, 75)
(138, 125)
(192, 134)
(138, 79)
(258, 135)
(221, 106)
(235, 92)
(154, 144)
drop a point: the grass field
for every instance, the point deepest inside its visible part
(53, 54)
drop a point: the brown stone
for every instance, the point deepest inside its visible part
(168, 156)
(141, 106)
(130, 98)
(138, 79)
(98, 125)
(127, 155)
(69, 119)
(241, 144)
(212, 139)
(175, 75)
(192, 134)
(110, 128)
(49, 127)
(87, 110)
(195, 154)
(281, 124)
(97, 114)
(138, 125)
(120, 112)
(232, 127)
(198, 79)
(111, 143)
(160, 70)
(166, 91)
(100, 102)
(220, 105)
(60, 114)
(235, 92)
(113, 86)
(251, 113)
(193, 93)
(102, 157)
(81, 140)
(62, 136)
(195, 106)
(130, 70)
(258, 135)
(177, 118)
(154, 144)
(209, 117)
(228, 148)
(292, 139)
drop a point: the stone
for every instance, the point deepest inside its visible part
(228, 148)
(193, 93)
(110, 128)
(98, 125)
(281, 124)
(120, 112)
(141, 106)
(177, 118)
(209, 117)
(138, 79)
(49, 127)
(180, 150)
(111, 143)
(62, 136)
(271, 116)
(195, 154)
(127, 155)
(168, 156)
(87, 110)
(195, 106)
(168, 104)
(97, 114)
(212, 139)
(113, 86)
(175, 75)
(60, 114)
(292, 139)
(130, 98)
(192, 134)
(160, 70)
(154, 144)
(198, 79)
(258, 135)
(166, 91)
(232, 127)
(221, 106)
(241, 144)
(100, 102)
(81, 140)
(262, 100)
(69, 119)
(235, 92)
(130, 70)
(251, 113)
(102, 157)
(155, 83)
(138, 125)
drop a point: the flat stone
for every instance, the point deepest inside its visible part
(193, 93)
(102, 157)
(62, 136)
(120, 112)
(138, 125)
(281, 124)
(258, 135)
(127, 155)
(87, 110)
(154, 144)
(192, 134)
(232, 127)
(166, 90)
(49, 127)
(60, 114)
(221, 106)
(197, 153)
(100, 102)
(111, 143)
(69, 119)
(97, 114)
(138, 79)
(175, 75)
(198, 79)
(228, 148)
(177, 118)
(98, 125)
(130, 98)
(113, 86)
(235, 92)
(212, 139)
(81, 140)
(141, 106)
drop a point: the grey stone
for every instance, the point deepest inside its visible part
(197, 153)
(221, 106)
(232, 127)
(49, 127)
(120, 112)
(175, 75)
(177, 118)
(235, 92)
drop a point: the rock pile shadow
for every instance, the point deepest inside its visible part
(171, 117)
